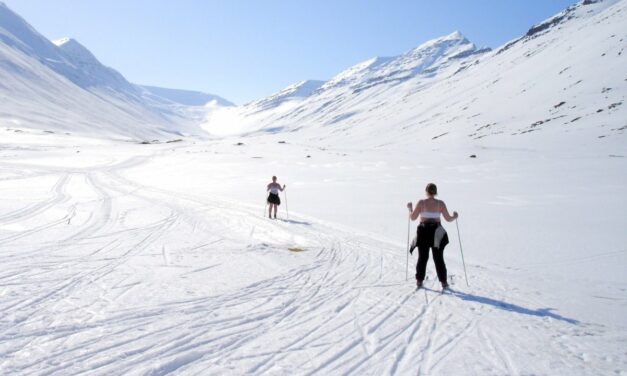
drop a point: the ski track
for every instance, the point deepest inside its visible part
(72, 300)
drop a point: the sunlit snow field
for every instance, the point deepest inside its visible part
(143, 247)
(127, 258)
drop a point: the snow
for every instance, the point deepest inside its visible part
(92, 72)
(62, 87)
(150, 259)
(376, 74)
(445, 98)
(293, 92)
(145, 259)
(184, 97)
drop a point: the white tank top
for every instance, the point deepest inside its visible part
(431, 215)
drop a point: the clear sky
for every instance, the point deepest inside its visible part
(247, 49)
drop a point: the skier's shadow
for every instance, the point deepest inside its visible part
(540, 312)
(294, 222)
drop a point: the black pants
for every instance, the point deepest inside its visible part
(425, 236)
(438, 260)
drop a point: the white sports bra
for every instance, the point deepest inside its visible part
(431, 215)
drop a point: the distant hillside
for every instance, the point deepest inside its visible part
(565, 80)
(62, 87)
(184, 97)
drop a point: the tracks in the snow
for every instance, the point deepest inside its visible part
(99, 285)
(313, 317)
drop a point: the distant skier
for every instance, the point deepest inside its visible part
(430, 234)
(273, 197)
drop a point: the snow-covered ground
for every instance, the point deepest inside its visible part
(146, 259)
(121, 257)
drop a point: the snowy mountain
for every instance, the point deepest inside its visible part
(92, 73)
(295, 92)
(62, 87)
(183, 97)
(431, 61)
(17, 34)
(119, 258)
(448, 90)
(427, 60)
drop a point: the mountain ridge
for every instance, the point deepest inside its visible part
(184, 97)
(467, 94)
(62, 86)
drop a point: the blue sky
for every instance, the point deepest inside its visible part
(245, 50)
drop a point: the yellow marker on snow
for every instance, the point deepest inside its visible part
(296, 250)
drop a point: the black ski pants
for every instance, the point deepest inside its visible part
(438, 260)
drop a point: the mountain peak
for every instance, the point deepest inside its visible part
(303, 88)
(428, 56)
(297, 91)
(67, 43)
(184, 97)
(61, 41)
(455, 35)
(453, 38)
(76, 51)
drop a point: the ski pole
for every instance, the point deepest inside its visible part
(462, 251)
(286, 209)
(407, 259)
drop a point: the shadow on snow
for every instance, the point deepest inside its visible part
(540, 312)
(294, 222)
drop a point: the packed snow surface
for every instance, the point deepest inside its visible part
(148, 259)
(121, 257)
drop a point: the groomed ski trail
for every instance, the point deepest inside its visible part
(109, 276)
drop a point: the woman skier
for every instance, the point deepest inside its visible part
(273, 198)
(430, 233)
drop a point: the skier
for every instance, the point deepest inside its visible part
(273, 197)
(431, 234)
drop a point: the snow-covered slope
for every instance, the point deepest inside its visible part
(427, 60)
(17, 34)
(183, 97)
(432, 61)
(248, 118)
(62, 87)
(565, 77)
(160, 259)
(296, 92)
(120, 258)
(92, 73)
